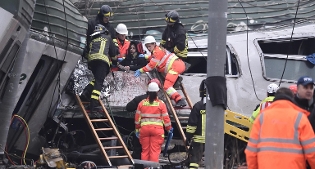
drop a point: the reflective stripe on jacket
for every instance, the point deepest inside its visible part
(161, 59)
(281, 137)
(152, 114)
(99, 48)
(174, 39)
(197, 122)
(263, 104)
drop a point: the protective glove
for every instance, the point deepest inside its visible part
(137, 134)
(120, 59)
(141, 56)
(171, 130)
(137, 73)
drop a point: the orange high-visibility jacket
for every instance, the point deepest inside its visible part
(281, 137)
(152, 114)
(161, 59)
(123, 48)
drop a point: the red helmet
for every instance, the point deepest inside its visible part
(293, 88)
(156, 81)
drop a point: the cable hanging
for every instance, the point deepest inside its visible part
(290, 45)
(250, 70)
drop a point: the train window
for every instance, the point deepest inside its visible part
(286, 46)
(291, 68)
(198, 61)
(6, 65)
(231, 64)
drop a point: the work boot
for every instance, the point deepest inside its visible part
(94, 104)
(178, 82)
(181, 103)
(86, 94)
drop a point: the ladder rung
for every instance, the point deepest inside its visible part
(181, 108)
(99, 120)
(183, 118)
(113, 147)
(109, 138)
(125, 156)
(103, 129)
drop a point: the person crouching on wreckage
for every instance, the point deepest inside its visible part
(102, 48)
(165, 62)
(150, 117)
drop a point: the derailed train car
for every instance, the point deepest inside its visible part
(36, 90)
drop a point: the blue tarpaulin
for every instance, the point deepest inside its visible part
(311, 58)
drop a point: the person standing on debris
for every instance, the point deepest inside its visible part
(102, 49)
(281, 137)
(174, 37)
(102, 18)
(271, 90)
(164, 62)
(195, 131)
(131, 107)
(122, 43)
(121, 40)
(150, 117)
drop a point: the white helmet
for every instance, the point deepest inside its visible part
(149, 39)
(272, 88)
(122, 29)
(153, 87)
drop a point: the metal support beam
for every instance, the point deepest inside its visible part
(217, 21)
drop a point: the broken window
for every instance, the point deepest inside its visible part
(298, 46)
(6, 64)
(280, 56)
(198, 61)
(231, 64)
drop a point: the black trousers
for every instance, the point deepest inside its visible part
(137, 149)
(196, 154)
(100, 70)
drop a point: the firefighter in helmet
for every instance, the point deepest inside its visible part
(102, 18)
(174, 37)
(196, 127)
(102, 51)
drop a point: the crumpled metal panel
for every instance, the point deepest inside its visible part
(119, 87)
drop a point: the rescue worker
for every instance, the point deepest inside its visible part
(150, 117)
(271, 90)
(121, 40)
(281, 137)
(195, 130)
(174, 37)
(102, 18)
(102, 49)
(131, 107)
(164, 62)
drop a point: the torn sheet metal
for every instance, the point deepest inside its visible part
(119, 87)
